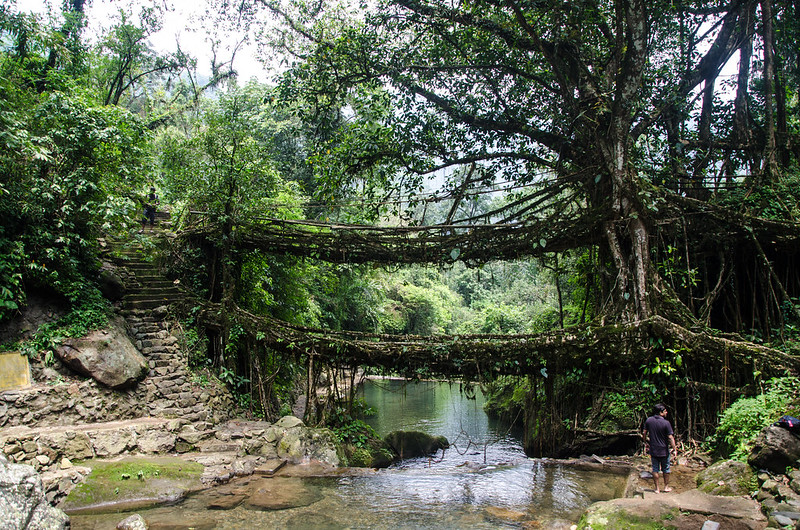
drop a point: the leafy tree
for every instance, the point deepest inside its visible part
(597, 94)
(125, 62)
(418, 303)
(62, 158)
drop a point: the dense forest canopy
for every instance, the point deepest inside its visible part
(635, 166)
(625, 98)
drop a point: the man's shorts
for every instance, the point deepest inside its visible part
(660, 463)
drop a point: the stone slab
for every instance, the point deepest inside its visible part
(270, 467)
(15, 372)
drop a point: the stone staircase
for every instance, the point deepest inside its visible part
(146, 307)
(39, 424)
(63, 417)
(146, 286)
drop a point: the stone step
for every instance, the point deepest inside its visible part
(141, 264)
(157, 333)
(146, 304)
(144, 330)
(151, 273)
(176, 379)
(157, 363)
(156, 339)
(155, 284)
(171, 356)
(154, 294)
(144, 318)
(159, 348)
(167, 345)
(156, 345)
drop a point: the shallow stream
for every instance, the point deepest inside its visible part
(483, 481)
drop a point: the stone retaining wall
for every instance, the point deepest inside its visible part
(61, 398)
(53, 451)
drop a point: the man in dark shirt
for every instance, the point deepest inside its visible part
(659, 431)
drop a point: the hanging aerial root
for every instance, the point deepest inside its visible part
(621, 348)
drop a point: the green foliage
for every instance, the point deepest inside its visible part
(61, 157)
(195, 345)
(346, 297)
(12, 293)
(621, 409)
(780, 200)
(417, 302)
(224, 169)
(348, 426)
(494, 317)
(665, 371)
(506, 396)
(741, 423)
(89, 314)
(517, 297)
(675, 271)
(124, 62)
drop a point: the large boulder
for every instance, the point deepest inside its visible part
(298, 443)
(411, 444)
(22, 500)
(107, 356)
(728, 477)
(775, 449)
(111, 283)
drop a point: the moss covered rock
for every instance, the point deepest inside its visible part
(377, 454)
(411, 444)
(134, 481)
(728, 477)
(612, 516)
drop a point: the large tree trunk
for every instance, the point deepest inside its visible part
(741, 133)
(770, 169)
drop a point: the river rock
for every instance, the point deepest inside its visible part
(728, 477)
(303, 443)
(314, 520)
(107, 356)
(134, 522)
(289, 422)
(225, 502)
(114, 443)
(22, 500)
(505, 514)
(158, 442)
(280, 494)
(775, 449)
(629, 512)
(411, 444)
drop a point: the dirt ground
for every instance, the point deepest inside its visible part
(682, 479)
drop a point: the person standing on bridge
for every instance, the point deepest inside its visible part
(658, 440)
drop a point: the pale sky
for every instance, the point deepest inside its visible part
(181, 23)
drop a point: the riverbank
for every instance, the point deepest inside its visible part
(684, 508)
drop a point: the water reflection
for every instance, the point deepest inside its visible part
(449, 409)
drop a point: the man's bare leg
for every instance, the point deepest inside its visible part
(655, 482)
(666, 482)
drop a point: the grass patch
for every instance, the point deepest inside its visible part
(616, 519)
(135, 478)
